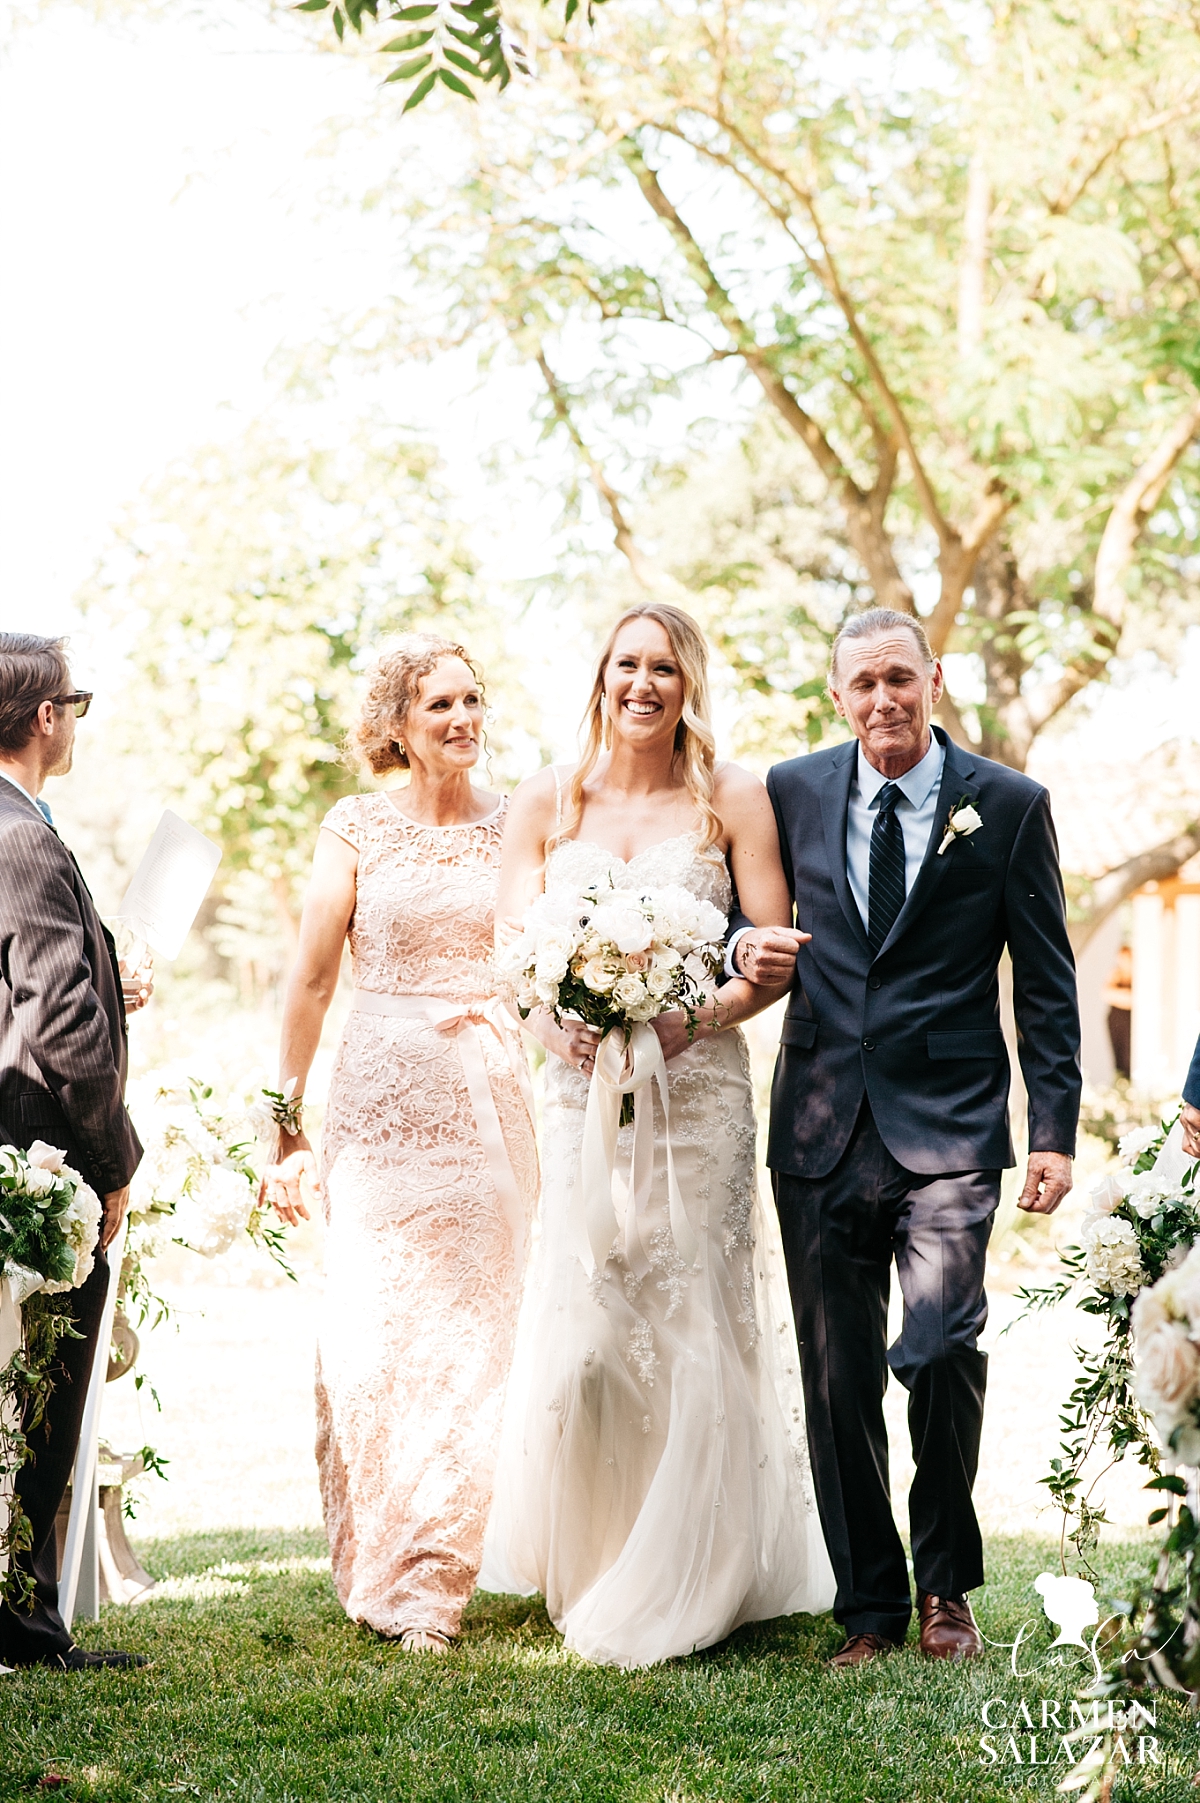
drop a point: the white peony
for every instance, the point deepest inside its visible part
(627, 928)
(1145, 1195)
(1113, 1260)
(551, 966)
(46, 1158)
(211, 1219)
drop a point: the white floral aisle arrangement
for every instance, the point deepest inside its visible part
(197, 1184)
(49, 1228)
(617, 959)
(1142, 1221)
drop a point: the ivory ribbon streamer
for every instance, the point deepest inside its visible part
(463, 1020)
(627, 1068)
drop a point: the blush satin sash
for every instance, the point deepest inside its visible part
(465, 1021)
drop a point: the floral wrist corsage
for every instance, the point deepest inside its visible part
(285, 1107)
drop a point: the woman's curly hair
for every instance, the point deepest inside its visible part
(392, 685)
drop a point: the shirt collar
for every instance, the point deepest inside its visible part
(915, 785)
(41, 807)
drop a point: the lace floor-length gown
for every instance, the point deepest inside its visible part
(653, 1482)
(423, 1254)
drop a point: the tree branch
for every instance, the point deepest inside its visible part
(644, 572)
(1110, 890)
(868, 541)
(1132, 509)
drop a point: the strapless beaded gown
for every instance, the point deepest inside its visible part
(653, 1481)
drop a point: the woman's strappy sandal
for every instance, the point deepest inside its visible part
(424, 1640)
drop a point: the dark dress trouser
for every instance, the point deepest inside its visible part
(32, 1636)
(840, 1235)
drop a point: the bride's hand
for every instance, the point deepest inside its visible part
(672, 1030)
(574, 1042)
(291, 1180)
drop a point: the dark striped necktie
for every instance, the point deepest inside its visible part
(885, 893)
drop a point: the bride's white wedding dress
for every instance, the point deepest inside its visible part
(653, 1480)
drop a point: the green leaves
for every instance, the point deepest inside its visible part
(475, 25)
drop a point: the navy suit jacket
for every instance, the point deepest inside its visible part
(1191, 1089)
(916, 1027)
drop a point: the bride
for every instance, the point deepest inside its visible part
(653, 1481)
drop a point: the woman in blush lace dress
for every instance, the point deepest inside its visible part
(428, 1166)
(653, 1481)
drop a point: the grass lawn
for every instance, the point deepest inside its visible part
(260, 1688)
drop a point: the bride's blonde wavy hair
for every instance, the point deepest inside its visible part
(695, 744)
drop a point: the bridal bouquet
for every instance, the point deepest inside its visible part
(618, 958)
(615, 957)
(1166, 1357)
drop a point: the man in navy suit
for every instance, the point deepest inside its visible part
(912, 864)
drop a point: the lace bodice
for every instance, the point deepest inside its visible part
(576, 862)
(423, 917)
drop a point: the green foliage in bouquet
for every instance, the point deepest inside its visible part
(1138, 1226)
(35, 1218)
(25, 1389)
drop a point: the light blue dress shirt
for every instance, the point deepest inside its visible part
(41, 807)
(916, 808)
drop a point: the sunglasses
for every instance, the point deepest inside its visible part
(81, 700)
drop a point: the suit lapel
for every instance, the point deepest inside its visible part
(956, 784)
(835, 805)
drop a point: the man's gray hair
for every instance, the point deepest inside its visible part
(877, 620)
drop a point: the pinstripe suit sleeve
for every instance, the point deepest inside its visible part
(55, 1007)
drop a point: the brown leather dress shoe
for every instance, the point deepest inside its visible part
(948, 1628)
(859, 1648)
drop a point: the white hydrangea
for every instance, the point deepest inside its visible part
(1113, 1260)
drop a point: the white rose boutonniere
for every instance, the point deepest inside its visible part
(962, 823)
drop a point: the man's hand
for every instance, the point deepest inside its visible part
(137, 987)
(767, 955)
(1047, 1181)
(1190, 1121)
(115, 1204)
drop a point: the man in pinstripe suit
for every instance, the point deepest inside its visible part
(62, 1079)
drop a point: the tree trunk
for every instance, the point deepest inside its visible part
(1006, 733)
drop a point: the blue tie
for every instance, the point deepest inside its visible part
(885, 891)
(44, 810)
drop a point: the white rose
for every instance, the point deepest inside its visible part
(1172, 1165)
(597, 976)
(1106, 1195)
(966, 821)
(36, 1182)
(1153, 1308)
(1166, 1370)
(1182, 1286)
(46, 1158)
(659, 982)
(628, 991)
